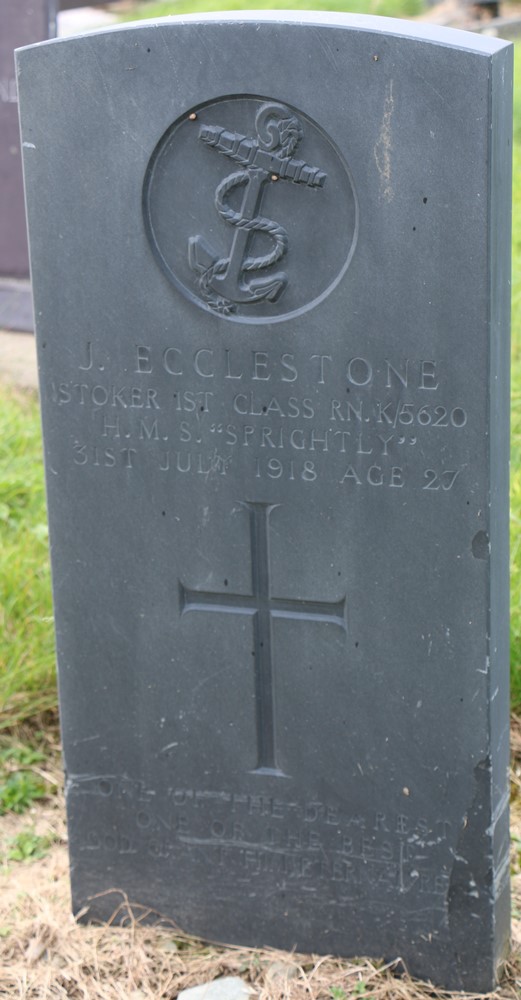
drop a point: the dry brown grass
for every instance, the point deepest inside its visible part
(44, 954)
(48, 955)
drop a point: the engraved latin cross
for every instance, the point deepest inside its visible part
(262, 607)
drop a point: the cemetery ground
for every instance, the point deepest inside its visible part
(43, 952)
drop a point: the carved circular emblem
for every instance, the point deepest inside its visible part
(250, 209)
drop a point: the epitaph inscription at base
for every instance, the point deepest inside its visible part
(272, 301)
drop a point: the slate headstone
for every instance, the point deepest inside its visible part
(271, 276)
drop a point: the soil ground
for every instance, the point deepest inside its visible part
(18, 360)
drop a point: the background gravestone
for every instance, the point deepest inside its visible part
(272, 300)
(20, 24)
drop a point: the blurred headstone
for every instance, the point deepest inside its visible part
(21, 23)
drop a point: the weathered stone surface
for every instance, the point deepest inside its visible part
(16, 306)
(271, 289)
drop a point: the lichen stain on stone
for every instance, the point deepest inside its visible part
(384, 146)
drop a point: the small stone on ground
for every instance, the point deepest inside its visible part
(280, 971)
(227, 988)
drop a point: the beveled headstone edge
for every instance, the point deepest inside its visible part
(387, 26)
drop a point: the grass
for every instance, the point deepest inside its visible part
(385, 8)
(21, 780)
(28, 846)
(27, 675)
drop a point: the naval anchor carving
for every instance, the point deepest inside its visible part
(224, 282)
(250, 210)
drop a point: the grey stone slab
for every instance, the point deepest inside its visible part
(20, 24)
(271, 281)
(16, 305)
(502, 27)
